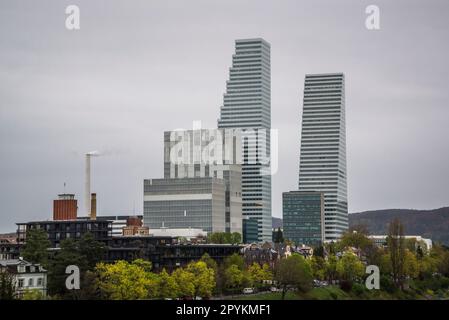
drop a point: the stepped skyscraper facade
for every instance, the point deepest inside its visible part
(247, 105)
(323, 148)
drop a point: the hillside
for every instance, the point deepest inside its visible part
(432, 224)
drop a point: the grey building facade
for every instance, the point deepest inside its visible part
(185, 203)
(247, 105)
(303, 217)
(214, 153)
(323, 148)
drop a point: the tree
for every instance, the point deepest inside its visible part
(224, 238)
(33, 294)
(258, 274)
(396, 247)
(331, 268)
(318, 265)
(67, 255)
(203, 278)
(185, 282)
(355, 239)
(236, 238)
(35, 248)
(211, 263)
(85, 253)
(235, 259)
(126, 281)
(167, 286)
(349, 267)
(7, 286)
(279, 236)
(91, 250)
(234, 278)
(411, 267)
(294, 272)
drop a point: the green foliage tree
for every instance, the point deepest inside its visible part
(411, 266)
(203, 278)
(234, 259)
(331, 268)
(7, 286)
(355, 239)
(236, 238)
(279, 236)
(211, 263)
(396, 247)
(35, 248)
(224, 238)
(294, 272)
(167, 286)
(185, 283)
(257, 274)
(126, 281)
(84, 253)
(318, 265)
(234, 278)
(349, 267)
(33, 294)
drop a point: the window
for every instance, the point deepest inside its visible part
(40, 282)
(30, 282)
(20, 283)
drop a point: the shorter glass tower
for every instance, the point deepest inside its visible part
(303, 214)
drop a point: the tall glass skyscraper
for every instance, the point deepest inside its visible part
(323, 148)
(247, 105)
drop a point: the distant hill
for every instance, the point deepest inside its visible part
(433, 224)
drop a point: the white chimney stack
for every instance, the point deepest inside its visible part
(87, 195)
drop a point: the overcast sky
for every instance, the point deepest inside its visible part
(137, 68)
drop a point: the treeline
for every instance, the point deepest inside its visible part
(408, 270)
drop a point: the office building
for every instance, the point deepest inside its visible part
(303, 216)
(250, 230)
(203, 153)
(247, 106)
(323, 148)
(185, 203)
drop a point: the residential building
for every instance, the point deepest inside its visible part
(9, 248)
(303, 217)
(26, 276)
(67, 229)
(247, 106)
(323, 148)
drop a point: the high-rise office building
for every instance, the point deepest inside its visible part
(208, 153)
(247, 105)
(303, 217)
(323, 148)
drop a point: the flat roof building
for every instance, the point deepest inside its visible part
(185, 203)
(303, 217)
